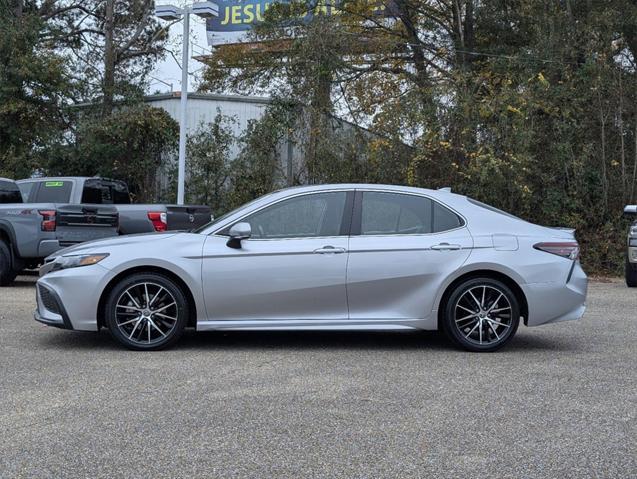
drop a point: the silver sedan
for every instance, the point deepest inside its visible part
(330, 257)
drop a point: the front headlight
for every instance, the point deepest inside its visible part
(65, 262)
(633, 230)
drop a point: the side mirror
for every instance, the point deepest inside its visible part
(630, 210)
(238, 232)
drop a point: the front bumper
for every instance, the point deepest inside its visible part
(556, 301)
(69, 298)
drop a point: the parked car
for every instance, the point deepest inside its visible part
(133, 218)
(631, 248)
(360, 257)
(29, 232)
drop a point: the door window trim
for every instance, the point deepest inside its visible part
(357, 217)
(346, 222)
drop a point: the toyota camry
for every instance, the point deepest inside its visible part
(329, 257)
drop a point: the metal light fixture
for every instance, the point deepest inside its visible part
(171, 12)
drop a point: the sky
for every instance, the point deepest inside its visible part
(169, 70)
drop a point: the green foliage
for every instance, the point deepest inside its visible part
(209, 163)
(32, 83)
(130, 144)
(257, 169)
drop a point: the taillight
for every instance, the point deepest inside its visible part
(158, 219)
(568, 249)
(48, 220)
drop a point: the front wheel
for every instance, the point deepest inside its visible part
(482, 315)
(146, 312)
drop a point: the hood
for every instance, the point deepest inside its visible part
(105, 244)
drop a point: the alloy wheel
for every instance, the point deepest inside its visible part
(146, 313)
(483, 315)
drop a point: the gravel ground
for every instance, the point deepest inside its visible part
(560, 401)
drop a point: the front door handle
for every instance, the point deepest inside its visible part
(446, 247)
(329, 250)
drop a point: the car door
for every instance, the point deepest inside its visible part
(292, 268)
(401, 249)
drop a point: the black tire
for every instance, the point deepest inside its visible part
(631, 274)
(7, 274)
(119, 310)
(490, 321)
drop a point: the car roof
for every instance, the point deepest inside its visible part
(363, 186)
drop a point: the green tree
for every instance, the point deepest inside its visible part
(132, 144)
(209, 162)
(33, 85)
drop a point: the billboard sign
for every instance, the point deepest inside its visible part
(237, 17)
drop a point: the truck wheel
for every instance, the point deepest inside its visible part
(631, 274)
(7, 274)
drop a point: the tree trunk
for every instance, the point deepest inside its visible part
(19, 8)
(109, 58)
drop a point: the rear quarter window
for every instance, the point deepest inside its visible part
(53, 192)
(444, 219)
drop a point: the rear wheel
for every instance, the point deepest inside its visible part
(146, 311)
(631, 274)
(482, 314)
(7, 274)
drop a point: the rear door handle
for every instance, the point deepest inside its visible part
(446, 247)
(329, 250)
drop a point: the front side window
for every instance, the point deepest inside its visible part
(401, 214)
(306, 216)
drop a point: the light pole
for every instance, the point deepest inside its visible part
(171, 12)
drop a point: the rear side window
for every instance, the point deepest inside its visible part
(9, 192)
(393, 213)
(401, 214)
(92, 192)
(105, 192)
(54, 192)
(119, 193)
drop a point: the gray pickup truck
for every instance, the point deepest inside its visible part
(133, 218)
(30, 232)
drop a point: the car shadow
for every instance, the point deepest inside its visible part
(295, 340)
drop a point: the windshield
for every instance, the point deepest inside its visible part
(228, 214)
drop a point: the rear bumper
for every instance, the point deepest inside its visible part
(556, 301)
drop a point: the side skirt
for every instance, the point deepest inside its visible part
(318, 325)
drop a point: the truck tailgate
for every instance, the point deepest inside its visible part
(187, 217)
(79, 223)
